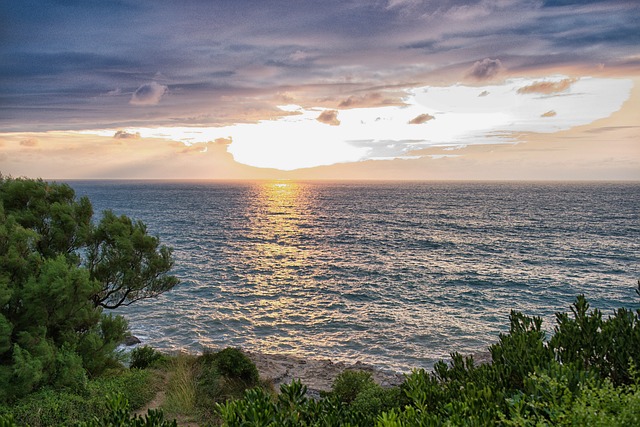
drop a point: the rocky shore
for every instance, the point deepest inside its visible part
(317, 374)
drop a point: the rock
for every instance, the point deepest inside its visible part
(130, 340)
(317, 374)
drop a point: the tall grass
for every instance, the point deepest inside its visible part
(181, 389)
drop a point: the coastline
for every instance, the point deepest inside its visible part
(317, 374)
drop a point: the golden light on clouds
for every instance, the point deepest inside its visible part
(435, 127)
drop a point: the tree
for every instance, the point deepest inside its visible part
(58, 272)
(128, 262)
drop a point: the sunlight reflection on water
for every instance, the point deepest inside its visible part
(397, 275)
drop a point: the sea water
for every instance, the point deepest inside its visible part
(397, 275)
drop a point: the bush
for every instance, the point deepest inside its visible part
(350, 383)
(585, 375)
(604, 346)
(51, 407)
(143, 357)
(118, 413)
(234, 364)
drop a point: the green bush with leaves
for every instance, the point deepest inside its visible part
(604, 346)
(291, 408)
(233, 363)
(118, 413)
(58, 272)
(143, 357)
(584, 375)
(54, 407)
(350, 383)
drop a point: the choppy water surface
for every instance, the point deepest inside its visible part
(396, 275)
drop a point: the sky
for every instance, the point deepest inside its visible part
(349, 89)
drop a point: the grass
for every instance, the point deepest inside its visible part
(48, 407)
(185, 387)
(181, 388)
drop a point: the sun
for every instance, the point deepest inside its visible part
(293, 142)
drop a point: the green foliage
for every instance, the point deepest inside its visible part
(350, 383)
(50, 407)
(143, 357)
(519, 352)
(604, 346)
(182, 388)
(291, 408)
(138, 386)
(129, 264)
(118, 414)
(585, 375)
(233, 363)
(57, 272)
(558, 397)
(197, 384)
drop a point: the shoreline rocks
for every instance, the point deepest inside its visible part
(130, 340)
(317, 374)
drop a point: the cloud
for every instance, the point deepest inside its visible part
(485, 69)
(303, 140)
(29, 142)
(484, 93)
(550, 113)
(547, 87)
(367, 100)
(123, 134)
(329, 117)
(422, 118)
(199, 147)
(298, 55)
(148, 94)
(223, 141)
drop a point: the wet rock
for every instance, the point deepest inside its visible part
(130, 340)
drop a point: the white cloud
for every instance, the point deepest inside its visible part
(461, 118)
(148, 94)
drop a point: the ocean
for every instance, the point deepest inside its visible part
(396, 275)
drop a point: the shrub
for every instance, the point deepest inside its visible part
(350, 383)
(234, 364)
(143, 357)
(51, 408)
(604, 346)
(118, 414)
